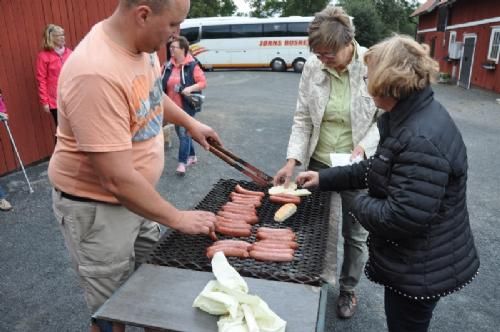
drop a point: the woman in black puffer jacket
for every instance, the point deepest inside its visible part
(421, 245)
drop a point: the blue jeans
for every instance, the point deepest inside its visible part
(2, 193)
(186, 146)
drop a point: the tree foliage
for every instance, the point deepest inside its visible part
(369, 26)
(208, 8)
(378, 19)
(265, 8)
(374, 19)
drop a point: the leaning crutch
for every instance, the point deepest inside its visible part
(5, 122)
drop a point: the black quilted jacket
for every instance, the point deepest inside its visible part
(420, 240)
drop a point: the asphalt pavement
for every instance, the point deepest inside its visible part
(252, 111)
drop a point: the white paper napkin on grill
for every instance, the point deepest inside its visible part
(228, 296)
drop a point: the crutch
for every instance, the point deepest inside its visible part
(5, 122)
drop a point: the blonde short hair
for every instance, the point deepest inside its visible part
(401, 66)
(331, 28)
(48, 36)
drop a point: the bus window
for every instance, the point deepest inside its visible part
(275, 30)
(298, 29)
(246, 30)
(191, 34)
(216, 32)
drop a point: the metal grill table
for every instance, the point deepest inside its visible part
(161, 298)
(160, 294)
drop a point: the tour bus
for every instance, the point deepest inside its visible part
(247, 42)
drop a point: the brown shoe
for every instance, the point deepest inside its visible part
(346, 304)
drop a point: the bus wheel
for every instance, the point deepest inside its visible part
(298, 65)
(278, 65)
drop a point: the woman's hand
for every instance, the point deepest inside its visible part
(284, 175)
(309, 179)
(46, 108)
(187, 91)
(358, 152)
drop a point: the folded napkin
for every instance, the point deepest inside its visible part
(228, 296)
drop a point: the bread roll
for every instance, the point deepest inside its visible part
(285, 212)
(276, 190)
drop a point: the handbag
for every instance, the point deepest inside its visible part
(194, 100)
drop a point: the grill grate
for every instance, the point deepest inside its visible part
(310, 223)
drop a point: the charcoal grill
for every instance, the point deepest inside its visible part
(310, 223)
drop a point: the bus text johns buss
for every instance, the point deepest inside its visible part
(247, 42)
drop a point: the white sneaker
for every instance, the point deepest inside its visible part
(191, 160)
(181, 169)
(5, 205)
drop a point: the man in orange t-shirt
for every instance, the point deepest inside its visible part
(109, 153)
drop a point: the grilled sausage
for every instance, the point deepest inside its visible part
(271, 246)
(276, 237)
(228, 251)
(248, 218)
(277, 244)
(231, 231)
(232, 225)
(248, 210)
(284, 199)
(233, 243)
(245, 197)
(243, 201)
(240, 205)
(271, 256)
(241, 190)
(275, 230)
(230, 220)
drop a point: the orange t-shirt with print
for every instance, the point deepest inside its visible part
(109, 99)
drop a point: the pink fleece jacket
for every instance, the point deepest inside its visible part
(48, 68)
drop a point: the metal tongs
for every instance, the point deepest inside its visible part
(249, 170)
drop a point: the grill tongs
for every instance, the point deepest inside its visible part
(249, 170)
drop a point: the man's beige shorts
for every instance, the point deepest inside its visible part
(104, 241)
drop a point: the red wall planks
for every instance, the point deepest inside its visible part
(22, 23)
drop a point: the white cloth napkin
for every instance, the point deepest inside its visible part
(228, 296)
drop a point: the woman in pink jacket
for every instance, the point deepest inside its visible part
(48, 67)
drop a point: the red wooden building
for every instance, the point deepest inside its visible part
(22, 23)
(464, 36)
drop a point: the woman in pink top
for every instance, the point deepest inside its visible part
(4, 204)
(48, 67)
(182, 77)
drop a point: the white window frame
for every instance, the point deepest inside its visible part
(491, 57)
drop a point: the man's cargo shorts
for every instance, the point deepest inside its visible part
(104, 242)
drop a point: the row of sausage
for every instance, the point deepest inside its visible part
(235, 219)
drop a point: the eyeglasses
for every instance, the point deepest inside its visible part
(173, 47)
(329, 56)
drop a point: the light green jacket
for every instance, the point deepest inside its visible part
(314, 92)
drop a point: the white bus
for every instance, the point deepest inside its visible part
(247, 42)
